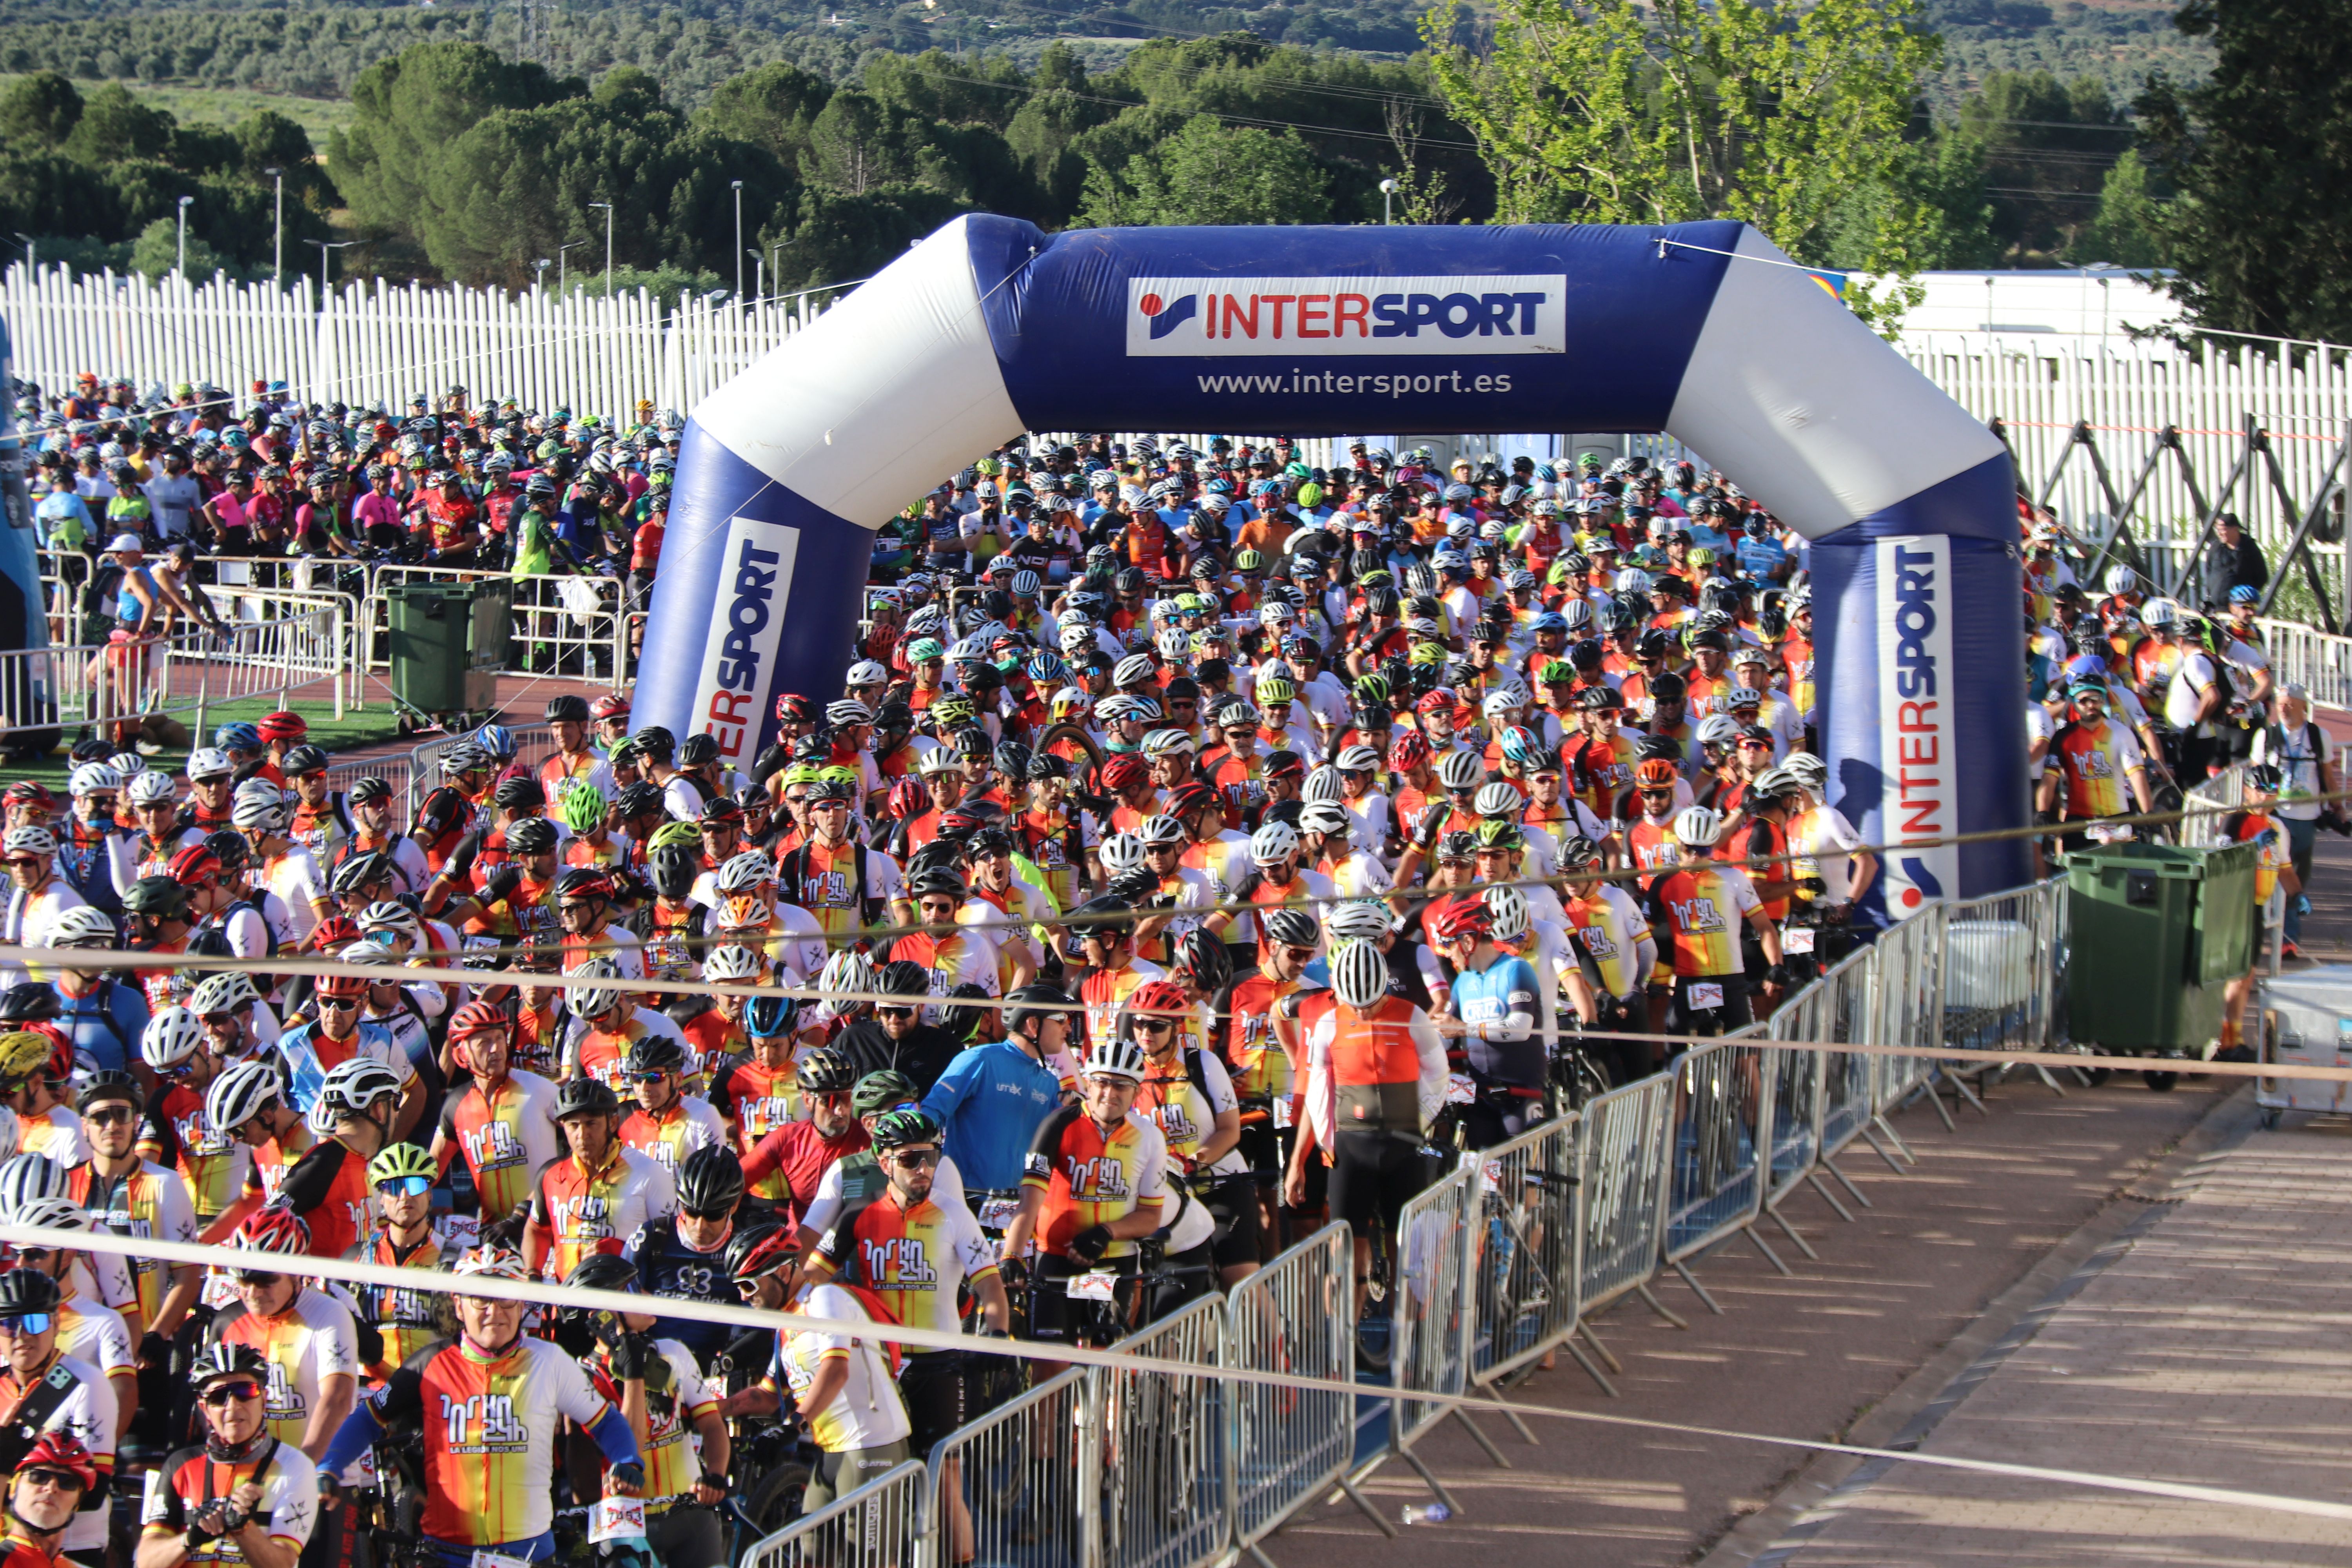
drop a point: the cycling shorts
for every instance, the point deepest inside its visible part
(931, 1385)
(1375, 1173)
(1053, 1316)
(1232, 1202)
(838, 1475)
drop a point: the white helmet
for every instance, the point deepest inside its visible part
(1697, 827)
(847, 972)
(1323, 784)
(1497, 799)
(1577, 613)
(1158, 830)
(867, 672)
(1718, 729)
(1324, 816)
(83, 926)
(2158, 613)
(1360, 975)
(746, 873)
(29, 840)
(239, 1095)
(730, 964)
(1113, 1058)
(28, 1178)
(209, 763)
(1358, 760)
(2122, 580)
(222, 993)
(1459, 769)
(1807, 769)
(171, 1038)
(1632, 579)
(355, 1085)
(1122, 852)
(390, 914)
(49, 1214)
(1509, 907)
(1357, 920)
(590, 1002)
(1273, 843)
(151, 788)
(257, 804)
(94, 778)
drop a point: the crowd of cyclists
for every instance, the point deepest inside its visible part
(1201, 845)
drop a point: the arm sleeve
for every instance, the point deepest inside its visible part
(359, 1432)
(1518, 1019)
(1428, 1045)
(766, 1155)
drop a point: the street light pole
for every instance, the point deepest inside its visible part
(1387, 194)
(183, 268)
(738, 239)
(32, 262)
(539, 274)
(324, 247)
(608, 246)
(564, 265)
(277, 241)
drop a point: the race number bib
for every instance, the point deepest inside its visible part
(1459, 1089)
(612, 1519)
(1099, 1286)
(998, 1214)
(1797, 938)
(497, 1559)
(1706, 996)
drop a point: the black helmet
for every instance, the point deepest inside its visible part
(229, 847)
(698, 750)
(581, 882)
(675, 867)
(305, 759)
(1036, 1000)
(963, 1023)
(569, 708)
(1012, 759)
(638, 799)
(763, 1246)
(1208, 961)
(532, 835)
(1111, 917)
(603, 1271)
(521, 793)
(654, 1053)
(940, 882)
(824, 1070)
(586, 1096)
(28, 1002)
(710, 1181)
(24, 1290)
(903, 977)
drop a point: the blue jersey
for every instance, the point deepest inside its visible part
(666, 1266)
(1501, 999)
(306, 1076)
(104, 1025)
(991, 1100)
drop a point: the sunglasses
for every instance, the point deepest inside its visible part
(894, 1011)
(406, 1186)
(257, 1276)
(229, 1393)
(108, 1117)
(654, 1077)
(27, 1323)
(340, 1003)
(1755, 745)
(916, 1159)
(1155, 1026)
(58, 1481)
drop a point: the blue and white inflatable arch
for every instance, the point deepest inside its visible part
(992, 327)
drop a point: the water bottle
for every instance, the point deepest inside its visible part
(1435, 1513)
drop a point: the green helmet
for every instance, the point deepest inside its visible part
(1501, 835)
(881, 1091)
(399, 1160)
(582, 807)
(681, 833)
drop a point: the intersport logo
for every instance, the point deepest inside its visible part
(1215, 317)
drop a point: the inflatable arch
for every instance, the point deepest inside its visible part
(990, 327)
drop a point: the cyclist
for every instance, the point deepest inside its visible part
(53, 1488)
(486, 1412)
(1094, 1185)
(684, 1255)
(100, 1012)
(757, 1093)
(178, 1132)
(1263, 1005)
(310, 1051)
(1376, 1077)
(407, 1320)
(800, 1152)
(1496, 1003)
(991, 1098)
(311, 1342)
(129, 1196)
(658, 1388)
(1614, 949)
(239, 1494)
(1188, 1095)
(601, 1193)
(667, 1122)
(1699, 904)
(502, 1122)
(899, 1038)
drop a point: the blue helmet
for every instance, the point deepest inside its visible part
(239, 736)
(1048, 666)
(496, 740)
(1550, 621)
(2245, 593)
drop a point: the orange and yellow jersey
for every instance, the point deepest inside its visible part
(310, 1340)
(575, 1212)
(2095, 760)
(712, 1040)
(165, 987)
(670, 932)
(2153, 664)
(192, 1477)
(179, 1134)
(1260, 1069)
(1709, 694)
(678, 1129)
(1758, 839)
(600, 1053)
(1090, 1178)
(2257, 827)
(608, 854)
(758, 1099)
(408, 1320)
(539, 1037)
(1600, 769)
(676, 1398)
(1608, 931)
(563, 767)
(914, 1258)
(1703, 905)
(505, 1133)
(1105, 993)
(322, 1182)
(489, 1425)
(1797, 661)
(1184, 1107)
(149, 1203)
(1048, 837)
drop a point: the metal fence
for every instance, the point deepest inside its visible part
(118, 686)
(1524, 1273)
(1722, 1130)
(1297, 1316)
(879, 1525)
(1022, 1482)
(1167, 1451)
(2315, 660)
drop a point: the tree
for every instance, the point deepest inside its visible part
(1212, 174)
(39, 111)
(2047, 144)
(409, 113)
(114, 125)
(2261, 155)
(157, 251)
(1611, 111)
(2127, 229)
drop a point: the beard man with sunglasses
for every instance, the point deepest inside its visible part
(240, 1492)
(47, 1398)
(57, 1484)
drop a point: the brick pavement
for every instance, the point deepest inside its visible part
(2209, 1348)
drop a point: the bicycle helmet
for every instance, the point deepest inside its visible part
(896, 1129)
(653, 1053)
(1274, 843)
(237, 736)
(1324, 784)
(29, 840)
(1358, 921)
(532, 835)
(1507, 907)
(224, 1359)
(709, 1180)
(596, 1001)
(1204, 959)
(1293, 927)
(151, 789)
(1697, 827)
(1360, 975)
(1114, 1058)
(1461, 918)
(759, 1250)
(586, 1096)
(746, 873)
(305, 759)
(222, 993)
(824, 1070)
(732, 963)
(351, 1087)
(1327, 816)
(878, 1091)
(93, 778)
(1460, 770)
(273, 1229)
(582, 807)
(401, 1161)
(495, 1262)
(1122, 852)
(26, 1290)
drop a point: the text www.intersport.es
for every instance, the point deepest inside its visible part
(1395, 386)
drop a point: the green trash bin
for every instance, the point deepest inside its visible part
(2156, 933)
(443, 661)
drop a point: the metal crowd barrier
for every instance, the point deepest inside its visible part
(1028, 1474)
(1524, 1272)
(1165, 1448)
(1429, 1345)
(2003, 973)
(535, 743)
(879, 1525)
(1297, 1316)
(1721, 1132)
(182, 675)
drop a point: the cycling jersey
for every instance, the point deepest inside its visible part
(675, 1396)
(87, 1412)
(313, 1339)
(407, 1320)
(1498, 1007)
(213, 1167)
(758, 1098)
(990, 1101)
(915, 1257)
(1184, 1099)
(188, 1479)
(148, 1201)
(97, 1335)
(869, 1413)
(1381, 1069)
(322, 1182)
(306, 1053)
(505, 1134)
(1090, 1178)
(55, 1132)
(575, 1212)
(1105, 993)
(712, 1040)
(1608, 928)
(669, 1264)
(2097, 759)
(1702, 905)
(670, 1135)
(1260, 1069)
(104, 1025)
(600, 1053)
(800, 1154)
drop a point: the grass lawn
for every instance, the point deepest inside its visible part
(341, 737)
(223, 106)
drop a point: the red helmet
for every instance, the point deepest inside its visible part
(791, 707)
(479, 1018)
(767, 1255)
(1461, 918)
(348, 983)
(1411, 750)
(25, 791)
(283, 725)
(1438, 701)
(61, 1451)
(333, 934)
(60, 1065)
(1124, 772)
(272, 1228)
(609, 707)
(909, 798)
(1158, 996)
(194, 864)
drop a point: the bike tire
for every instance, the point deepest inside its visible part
(774, 1501)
